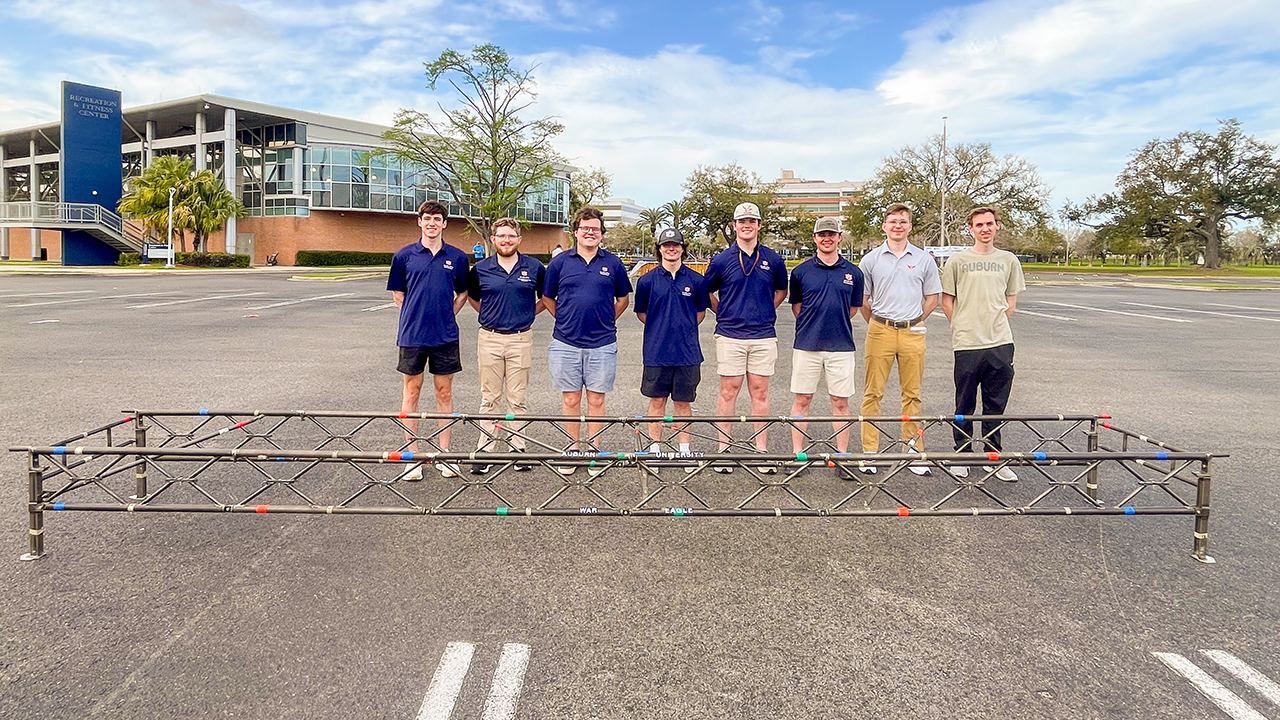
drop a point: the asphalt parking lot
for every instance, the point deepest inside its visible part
(146, 616)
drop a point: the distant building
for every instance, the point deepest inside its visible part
(793, 195)
(620, 211)
(310, 182)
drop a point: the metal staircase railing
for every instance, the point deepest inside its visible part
(95, 219)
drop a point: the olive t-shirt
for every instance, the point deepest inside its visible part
(980, 284)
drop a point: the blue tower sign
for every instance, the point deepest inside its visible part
(89, 164)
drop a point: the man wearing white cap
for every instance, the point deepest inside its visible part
(748, 282)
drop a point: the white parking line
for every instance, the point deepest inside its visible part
(445, 685)
(507, 680)
(1115, 312)
(378, 307)
(1244, 307)
(1204, 312)
(1047, 315)
(1256, 680)
(80, 300)
(46, 294)
(295, 302)
(1229, 702)
(193, 300)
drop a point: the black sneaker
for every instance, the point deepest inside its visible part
(522, 465)
(480, 469)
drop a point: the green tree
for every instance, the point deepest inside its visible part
(1189, 189)
(482, 152)
(207, 206)
(201, 203)
(971, 176)
(147, 200)
(628, 239)
(795, 233)
(653, 218)
(681, 215)
(588, 187)
(712, 193)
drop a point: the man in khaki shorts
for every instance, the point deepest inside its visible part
(747, 282)
(506, 289)
(902, 288)
(825, 289)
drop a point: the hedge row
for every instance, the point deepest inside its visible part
(340, 258)
(213, 260)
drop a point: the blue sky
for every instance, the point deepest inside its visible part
(649, 91)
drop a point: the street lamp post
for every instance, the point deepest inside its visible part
(942, 183)
(172, 190)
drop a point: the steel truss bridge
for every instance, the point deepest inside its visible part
(360, 463)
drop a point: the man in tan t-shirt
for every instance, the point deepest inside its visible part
(980, 289)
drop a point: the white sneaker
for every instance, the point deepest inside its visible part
(1006, 474)
(918, 468)
(867, 469)
(566, 469)
(448, 470)
(960, 471)
(723, 469)
(412, 472)
(594, 470)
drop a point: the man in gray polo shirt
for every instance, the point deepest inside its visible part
(902, 288)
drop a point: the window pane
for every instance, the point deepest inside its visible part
(379, 201)
(342, 195)
(341, 156)
(359, 196)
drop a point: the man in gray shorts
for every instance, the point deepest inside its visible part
(586, 290)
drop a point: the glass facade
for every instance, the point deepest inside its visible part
(343, 178)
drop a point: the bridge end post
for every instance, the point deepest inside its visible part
(1091, 483)
(35, 508)
(1200, 547)
(140, 469)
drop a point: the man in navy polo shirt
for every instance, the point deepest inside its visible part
(428, 282)
(748, 282)
(586, 290)
(826, 289)
(671, 300)
(506, 289)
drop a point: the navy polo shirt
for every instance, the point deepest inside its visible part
(746, 284)
(671, 307)
(826, 294)
(429, 283)
(584, 294)
(508, 301)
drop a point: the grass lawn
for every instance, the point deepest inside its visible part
(1230, 271)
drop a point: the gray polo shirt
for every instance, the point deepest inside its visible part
(896, 286)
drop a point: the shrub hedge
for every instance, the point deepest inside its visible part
(340, 258)
(213, 260)
(129, 259)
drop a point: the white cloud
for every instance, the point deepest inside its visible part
(1008, 48)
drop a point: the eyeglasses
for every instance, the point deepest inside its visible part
(897, 222)
(590, 230)
(506, 237)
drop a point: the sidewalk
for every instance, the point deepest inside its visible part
(18, 267)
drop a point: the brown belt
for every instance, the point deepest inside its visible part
(898, 324)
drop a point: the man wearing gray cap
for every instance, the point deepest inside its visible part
(749, 282)
(825, 290)
(671, 300)
(902, 288)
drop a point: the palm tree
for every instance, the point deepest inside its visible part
(207, 206)
(651, 218)
(148, 198)
(680, 213)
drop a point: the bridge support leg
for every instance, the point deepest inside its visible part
(140, 470)
(1091, 483)
(1200, 548)
(35, 515)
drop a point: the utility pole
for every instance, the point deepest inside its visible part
(942, 182)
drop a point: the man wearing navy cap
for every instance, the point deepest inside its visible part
(671, 300)
(826, 291)
(428, 282)
(748, 282)
(586, 290)
(506, 289)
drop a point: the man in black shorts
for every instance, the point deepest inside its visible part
(671, 300)
(428, 282)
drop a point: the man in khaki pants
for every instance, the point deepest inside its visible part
(902, 288)
(506, 289)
